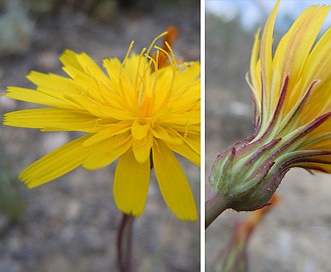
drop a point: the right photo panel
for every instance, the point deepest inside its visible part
(268, 136)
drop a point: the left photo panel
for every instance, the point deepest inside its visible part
(100, 135)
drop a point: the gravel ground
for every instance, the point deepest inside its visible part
(70, 224)
(296, 235)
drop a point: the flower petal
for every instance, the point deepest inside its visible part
(183, 118)
(292, 53)
(167, 135)
(298, 42)
(266, 54)
(52, 119)
(173, 184)
(318, 67)
(187, 99)
(190, 149)
(69, 58)
(33, 96)
(55, 164)
(105, 152)
(255, 74)
(131, 183)
(54, 83)
(191, 74)
(142, 148)
(163, 88)
(107, 132)
(140, 130)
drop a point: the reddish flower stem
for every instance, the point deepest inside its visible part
(124, 244)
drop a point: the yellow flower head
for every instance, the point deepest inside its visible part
(291, 91)
(138, 112)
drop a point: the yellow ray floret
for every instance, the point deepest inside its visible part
(297, 58)
(291, 87)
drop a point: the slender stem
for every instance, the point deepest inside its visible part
(215, 205)
(124, 243)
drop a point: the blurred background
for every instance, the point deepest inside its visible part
(295, 235)
(70, 224)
